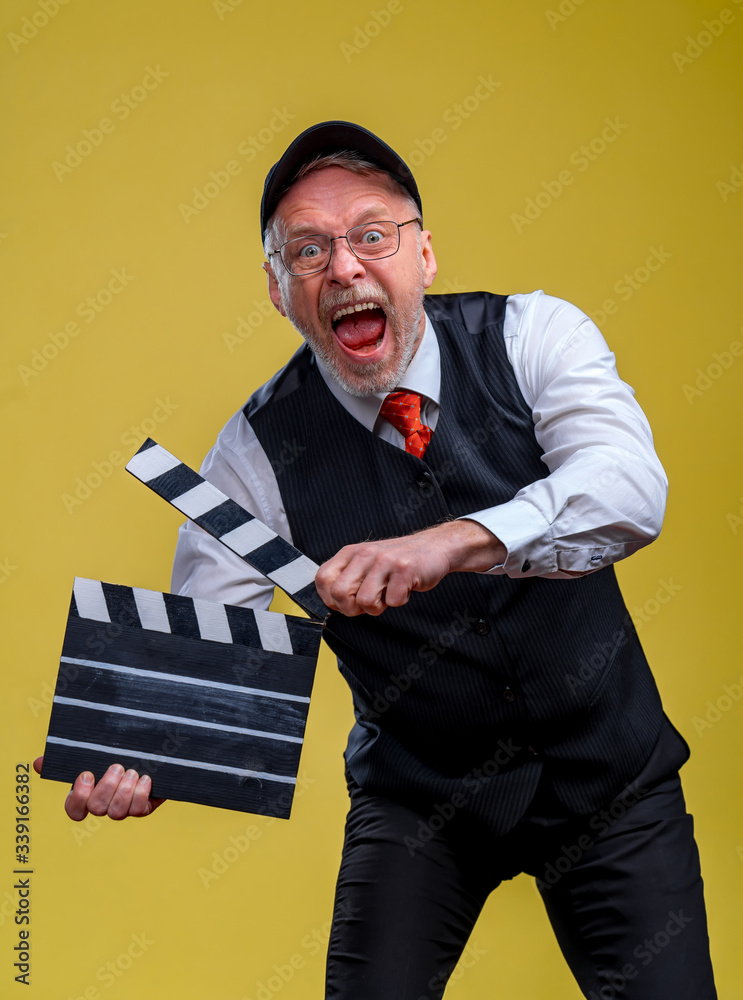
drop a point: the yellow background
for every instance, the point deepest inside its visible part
(223, 71)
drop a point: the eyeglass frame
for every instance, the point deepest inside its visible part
(302, 274)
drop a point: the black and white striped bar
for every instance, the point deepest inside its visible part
(240, 531)
(210, 700)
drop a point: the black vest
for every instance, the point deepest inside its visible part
(473, 690)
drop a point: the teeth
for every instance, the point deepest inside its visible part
(358, 307)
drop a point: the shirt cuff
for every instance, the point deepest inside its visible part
(527, 536)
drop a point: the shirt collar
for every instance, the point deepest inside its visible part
(423, 375)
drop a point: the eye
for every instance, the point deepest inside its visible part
(371, 237)
(309, 251)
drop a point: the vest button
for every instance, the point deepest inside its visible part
(509, 694)
(482, 627)
(424, 480)
(533, 752)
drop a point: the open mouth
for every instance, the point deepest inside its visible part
(360, 328)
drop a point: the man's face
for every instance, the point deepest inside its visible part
(367, 350)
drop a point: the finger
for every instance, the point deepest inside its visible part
(400, 586)
(388, 582)
(371, 595)
(373, 580)
(344, 592)
(76, 803)
(100, 798)
(38, 764)
(142, 804)
(329, 572)
(339, 578)
(121, 800)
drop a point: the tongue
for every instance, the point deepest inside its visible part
(362, 329)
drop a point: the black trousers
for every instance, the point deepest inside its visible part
(622, 889)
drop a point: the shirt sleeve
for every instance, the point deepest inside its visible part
(605, 494)
(204, 567)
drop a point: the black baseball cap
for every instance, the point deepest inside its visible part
(325, 138)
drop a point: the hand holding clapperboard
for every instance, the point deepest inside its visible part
(210, 700)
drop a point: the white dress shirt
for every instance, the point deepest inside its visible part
(603, 499)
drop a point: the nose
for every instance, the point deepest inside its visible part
(344, 267)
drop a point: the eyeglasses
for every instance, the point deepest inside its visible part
(372, 241)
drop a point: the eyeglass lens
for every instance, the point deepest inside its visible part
(368, 242)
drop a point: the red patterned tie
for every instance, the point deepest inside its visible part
(403, 411)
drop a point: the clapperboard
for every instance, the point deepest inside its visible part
(210, 700)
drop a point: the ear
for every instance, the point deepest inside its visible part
(430, 267)
(273, 287)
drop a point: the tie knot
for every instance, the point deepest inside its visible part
(403, 411)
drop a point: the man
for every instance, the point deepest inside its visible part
(466, 469)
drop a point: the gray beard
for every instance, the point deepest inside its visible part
(377, 376)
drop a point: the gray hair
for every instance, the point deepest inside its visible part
(348, 159)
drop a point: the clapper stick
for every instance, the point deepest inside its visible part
(208, 699)
(235, 527)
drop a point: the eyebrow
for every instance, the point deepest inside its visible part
(374, 214)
